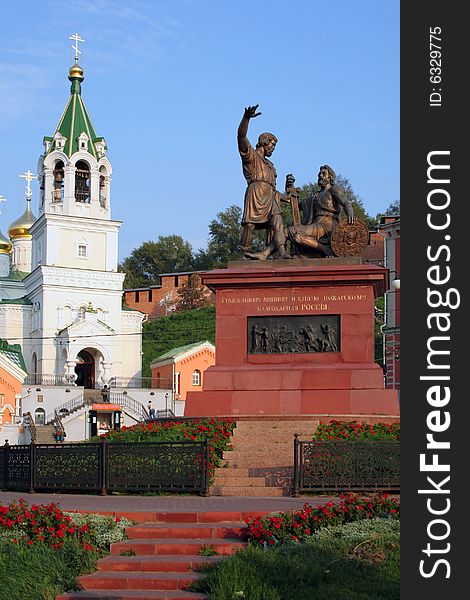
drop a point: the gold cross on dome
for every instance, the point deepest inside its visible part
(29, 178)
(77, 39)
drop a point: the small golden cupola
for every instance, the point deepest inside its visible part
(19, 229)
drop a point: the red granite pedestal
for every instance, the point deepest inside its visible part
(342, 382)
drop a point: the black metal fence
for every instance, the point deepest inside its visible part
(349, 465)
(106, 467)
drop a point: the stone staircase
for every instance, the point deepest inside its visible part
(161, 559)
(45, 434)
(262, 459)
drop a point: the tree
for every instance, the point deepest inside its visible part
(191, 294)
(393, 209)
(169, 254)
(225, 237)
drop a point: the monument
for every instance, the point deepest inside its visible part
(295, 337)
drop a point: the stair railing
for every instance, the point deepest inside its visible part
(29, 422)
(69, 406)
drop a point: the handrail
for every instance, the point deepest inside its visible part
(131, 403)
(59, 426)
(74, 404)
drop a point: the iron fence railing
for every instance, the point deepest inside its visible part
(130, 382)
(349, 465)
(39, 379)
(104, 467)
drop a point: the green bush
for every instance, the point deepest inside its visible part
(43, 549)
(357, 561)
(218, 430)
(354, 430)
(301, 525)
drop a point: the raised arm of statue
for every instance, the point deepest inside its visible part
(250, 113)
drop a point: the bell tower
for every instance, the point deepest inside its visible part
(74, 286)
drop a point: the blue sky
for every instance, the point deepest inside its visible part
(166, 82)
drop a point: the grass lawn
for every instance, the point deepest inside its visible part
(355, 561)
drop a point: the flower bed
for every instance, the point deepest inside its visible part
(48, 524)
(217, 430)
(300, 525)
(43, 549)
(354, 430)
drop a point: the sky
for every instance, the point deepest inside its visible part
(166, 84)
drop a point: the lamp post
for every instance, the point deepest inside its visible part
(166, 404)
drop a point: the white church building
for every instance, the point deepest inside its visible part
(61, 292)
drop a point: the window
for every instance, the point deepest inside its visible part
(150, 295)
(40, 416)
(137, 297)
(82, 251)
(196, 377)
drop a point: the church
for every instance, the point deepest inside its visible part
(60, 289)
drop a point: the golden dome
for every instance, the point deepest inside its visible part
(5, 244)
(20, 228)
(76, 72)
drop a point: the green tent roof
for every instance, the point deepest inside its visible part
(75, 119)
(13, 352)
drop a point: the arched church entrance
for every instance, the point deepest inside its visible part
(85, 370)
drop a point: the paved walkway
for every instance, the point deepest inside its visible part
(128, 504)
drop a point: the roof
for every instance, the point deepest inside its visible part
(23, 300)
(13, 353)
(15, 276)
(175, 352)
(76, 120)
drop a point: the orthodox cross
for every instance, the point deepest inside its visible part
(77, 39)
(29, 177)
(2, 199)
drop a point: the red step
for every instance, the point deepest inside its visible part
(179, 546)
(189, 562)
(186, 530)
(136, 580)
(131, 595)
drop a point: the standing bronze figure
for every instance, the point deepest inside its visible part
(321, 217)
(262, 208)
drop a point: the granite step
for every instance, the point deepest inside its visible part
(262, 491)
(158, 563)
(181, 546)
(131, 595)
(136, 580)
(186, 530)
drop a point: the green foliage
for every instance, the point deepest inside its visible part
(39, 572)
(179, 329)
(301, 525)
(169, 254)
(43, 549)
(208, 550)
(217, 430)
(353, 430)
(358, 561)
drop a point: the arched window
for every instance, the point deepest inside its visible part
(82, 182)
(103, 188)
(40, 416)
(196, 377)
(35, 363)
(58, 185)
